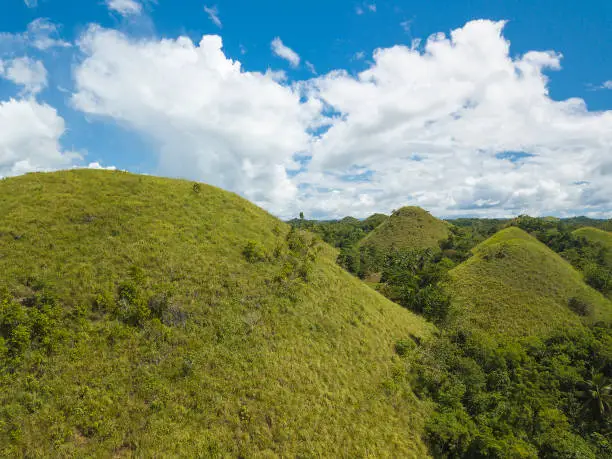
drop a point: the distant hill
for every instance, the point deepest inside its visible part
(598, 236)
(144, 317)
(408, 227)
(514, 286)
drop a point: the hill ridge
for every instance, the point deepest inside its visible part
(163, 317)
(515, 285)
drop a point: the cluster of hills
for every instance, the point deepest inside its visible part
(142, 316)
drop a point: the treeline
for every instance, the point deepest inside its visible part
(547, 397)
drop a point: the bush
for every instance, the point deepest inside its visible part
(404, 346)
(598, 277)
(131, 307)
(254, 252)
(580, 307)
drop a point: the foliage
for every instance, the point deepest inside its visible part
(131, 324)
(412, 278)
(511, 398)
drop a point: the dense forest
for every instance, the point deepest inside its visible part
(536, 394)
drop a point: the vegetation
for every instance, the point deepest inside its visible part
(407, 228)
(142, 316)
(150, 317)
(533, 397)
(515, 285)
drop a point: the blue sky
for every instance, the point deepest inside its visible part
(296, 144)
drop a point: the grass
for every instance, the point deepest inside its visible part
(408, 227)
(599, 236)
(148, 333)
(516, 286)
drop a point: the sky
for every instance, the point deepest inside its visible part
(472, 108)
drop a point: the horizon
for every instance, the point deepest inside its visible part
(486, 111)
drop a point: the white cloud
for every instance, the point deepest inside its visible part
(359, 55)
(26, 72)
(363, 7)
(406, 25)
(311, 68)
(285, 52)
(41, 34)
(459, 125)
(209, 119)
(606, 85)
(29, 138)
(125, 7)
(44, 34)
(98, 166)
(213, 14)
(432, 126)
(31, 3)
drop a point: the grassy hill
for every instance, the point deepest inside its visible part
(408, 227)
(599, 236)
(142, 316)
(514, 285)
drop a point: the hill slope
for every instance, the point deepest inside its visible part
(146, 316)
(514, 285)
(408, 227)
(599, 236)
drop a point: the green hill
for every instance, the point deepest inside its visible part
(514, 285)
(406, 228)
(146, 317)
(599, 236)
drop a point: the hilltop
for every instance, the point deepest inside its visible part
(514, 285)
(148, 316)
(407, 228)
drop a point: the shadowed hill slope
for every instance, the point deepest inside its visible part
(408, 228)
(146, 316)
(514, 285)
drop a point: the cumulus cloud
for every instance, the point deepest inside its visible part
(284, 52)
(213, 14)
(29, 138)
(125, 7)
(26, 72)
(210, 119)
(606, 85)
(458, 125)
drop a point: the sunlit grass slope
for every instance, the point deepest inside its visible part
(599, 236)
(406, 228)
(135, 323)
(514, 285)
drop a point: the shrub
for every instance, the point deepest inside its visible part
(197, 188)
(580, 307)
(254, 252)
(131, 308)
(598, 277)
(404, 346)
